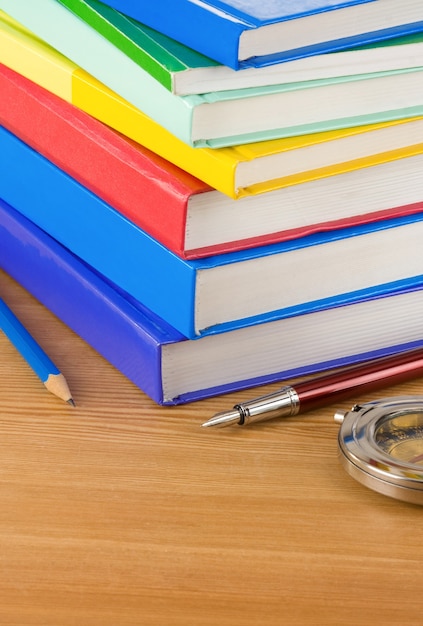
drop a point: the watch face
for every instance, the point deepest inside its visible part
(402, 437)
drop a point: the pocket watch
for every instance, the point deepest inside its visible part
(380, 444)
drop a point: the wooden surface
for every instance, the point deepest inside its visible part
(119, 512)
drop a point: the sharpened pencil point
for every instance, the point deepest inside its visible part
(71, 402)
(56, 384)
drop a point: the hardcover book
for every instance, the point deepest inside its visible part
(221, 292)
(174, 370)
(244, 32)
(236, 171)
(228, 117)
(184, 71)
(188, 216)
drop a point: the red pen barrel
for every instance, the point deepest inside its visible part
(343, 384)
(314, 393)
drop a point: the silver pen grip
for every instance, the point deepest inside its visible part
(282, 403)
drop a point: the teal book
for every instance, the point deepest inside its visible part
(230, 117)
(185, 71)
(201, 297)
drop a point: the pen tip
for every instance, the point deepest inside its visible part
(221, 420)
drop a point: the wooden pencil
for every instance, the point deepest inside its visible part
(34, 355)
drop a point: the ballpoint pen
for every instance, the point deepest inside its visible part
(323, 390)
(34, 355)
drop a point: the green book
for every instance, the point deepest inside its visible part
(184, 71)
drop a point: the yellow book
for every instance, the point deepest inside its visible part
(239, 171)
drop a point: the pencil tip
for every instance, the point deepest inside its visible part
(56, 384)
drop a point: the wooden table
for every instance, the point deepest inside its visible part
(119, 512)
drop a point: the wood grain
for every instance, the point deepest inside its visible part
(119, 512)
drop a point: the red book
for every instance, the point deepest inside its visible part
(180, 211)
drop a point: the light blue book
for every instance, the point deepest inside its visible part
(221, 292)
(230, 117)
(243, 33)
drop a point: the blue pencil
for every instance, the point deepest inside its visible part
(34, 355)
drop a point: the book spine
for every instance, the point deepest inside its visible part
(81, 300)
(97, 233)
(139, 184)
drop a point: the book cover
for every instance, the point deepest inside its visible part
(237, 171)
(173, 370)
(218, 293)
(184, 71)
(218, 119)
(241, 32)
(184, 214)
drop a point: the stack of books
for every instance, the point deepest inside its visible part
(215, 195)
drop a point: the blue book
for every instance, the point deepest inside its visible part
(241, 33)
(217, 293)
(173, 370)
(184, 71)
